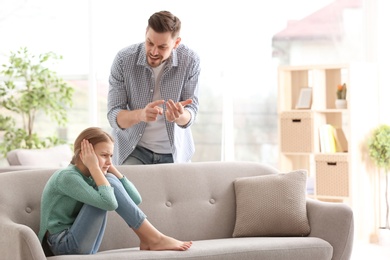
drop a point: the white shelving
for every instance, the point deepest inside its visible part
(337, 176)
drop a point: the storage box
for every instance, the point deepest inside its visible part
(296, 132)
(332, 177)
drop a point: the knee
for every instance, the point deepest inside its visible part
(113, 180)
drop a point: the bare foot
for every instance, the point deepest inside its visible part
(152, 239)
(165, 243)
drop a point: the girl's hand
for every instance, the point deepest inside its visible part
(115, 171)
(87, 155)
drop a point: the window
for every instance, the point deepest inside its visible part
(240, 49)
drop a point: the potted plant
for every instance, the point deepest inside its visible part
(341, 94)
(29, 88)
(379, 152)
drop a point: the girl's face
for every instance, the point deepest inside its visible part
(104, 151)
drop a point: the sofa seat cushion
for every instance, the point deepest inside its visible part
(292, 248)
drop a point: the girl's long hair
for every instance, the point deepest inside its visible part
(94, 135)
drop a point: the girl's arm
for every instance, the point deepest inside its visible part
(128, 185)
(72, 184)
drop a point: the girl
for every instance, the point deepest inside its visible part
(76, 199)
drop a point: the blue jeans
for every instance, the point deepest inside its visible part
(86, 233)
(141, 155)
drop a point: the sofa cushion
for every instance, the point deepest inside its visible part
(271, 205)
(245, 248)
(58, 156)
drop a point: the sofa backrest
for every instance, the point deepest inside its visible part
(57, 156)
(189, 201)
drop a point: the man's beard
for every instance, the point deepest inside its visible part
(155, 61)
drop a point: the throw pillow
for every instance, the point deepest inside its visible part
(271, 205)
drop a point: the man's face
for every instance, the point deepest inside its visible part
(159, 46)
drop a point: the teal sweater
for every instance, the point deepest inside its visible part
(67, 191)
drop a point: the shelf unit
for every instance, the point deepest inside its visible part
(336, 175)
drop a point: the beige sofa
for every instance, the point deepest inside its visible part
(195, 201)
(24, 159)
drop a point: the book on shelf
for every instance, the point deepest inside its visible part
(332, 139)
(341, 140)
(327, 140)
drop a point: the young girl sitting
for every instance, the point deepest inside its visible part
(76, 199)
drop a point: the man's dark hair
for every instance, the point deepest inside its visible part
(164, 21)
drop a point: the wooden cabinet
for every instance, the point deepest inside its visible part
(336, 175)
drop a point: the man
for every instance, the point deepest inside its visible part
(153, 96)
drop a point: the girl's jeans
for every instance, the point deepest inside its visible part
(86, 233)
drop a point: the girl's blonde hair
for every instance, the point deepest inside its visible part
(94, 135)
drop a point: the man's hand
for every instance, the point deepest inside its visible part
(151, 111)
(176, 113)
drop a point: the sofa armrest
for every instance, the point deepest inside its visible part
(332, 222)
(19, 242)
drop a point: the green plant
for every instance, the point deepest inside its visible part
(29, 88)
(379, 151)
(341, 91)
